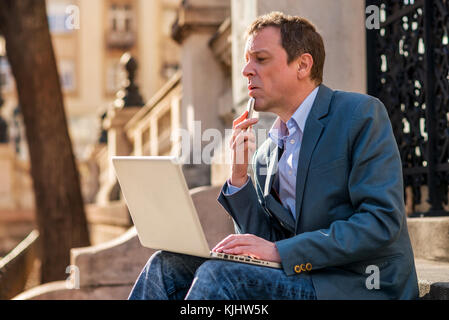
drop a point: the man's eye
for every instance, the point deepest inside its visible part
(261, 59)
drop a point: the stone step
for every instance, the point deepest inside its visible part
(429, 237)
(433, 279)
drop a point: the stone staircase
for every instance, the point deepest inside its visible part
(109, 270)
(433, 279)
(430, 241)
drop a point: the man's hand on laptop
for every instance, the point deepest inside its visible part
(248, 245)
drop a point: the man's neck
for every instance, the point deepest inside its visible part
(287, 111)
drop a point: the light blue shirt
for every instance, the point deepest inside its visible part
(288, 136)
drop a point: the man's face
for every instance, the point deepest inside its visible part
(270, 79)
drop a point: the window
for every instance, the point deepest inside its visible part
(6, 79)
(168, 18)
(121, 18)
(67, 75)
(121, 31)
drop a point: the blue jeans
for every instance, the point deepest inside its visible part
(173, 276)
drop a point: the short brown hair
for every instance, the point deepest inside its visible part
(298, 36)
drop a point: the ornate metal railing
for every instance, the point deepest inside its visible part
(408, 70)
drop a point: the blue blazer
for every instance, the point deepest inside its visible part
(349, 203)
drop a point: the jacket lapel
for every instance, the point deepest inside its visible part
(283, 215)
(311, 135)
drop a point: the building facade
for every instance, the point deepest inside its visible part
(89, 38)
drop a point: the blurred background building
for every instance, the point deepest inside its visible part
(88, 56)
(89, 39)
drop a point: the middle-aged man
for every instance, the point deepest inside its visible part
(327, 197)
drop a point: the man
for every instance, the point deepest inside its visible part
(327, 197)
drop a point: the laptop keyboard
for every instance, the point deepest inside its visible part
(246, 259)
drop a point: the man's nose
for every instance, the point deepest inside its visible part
(248, 70)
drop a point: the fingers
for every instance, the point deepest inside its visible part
(243, 125)
(224, 241)
(239, 119)
(242, 137)
(243, 140)
(233, 244)
(248, 245)
(243, 148)
(251, 148)
(243, 251)
(234, 240)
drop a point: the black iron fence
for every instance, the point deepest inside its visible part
(408, 69)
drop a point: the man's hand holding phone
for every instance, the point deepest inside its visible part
(243, 145)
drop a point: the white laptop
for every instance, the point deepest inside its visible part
(162, 210)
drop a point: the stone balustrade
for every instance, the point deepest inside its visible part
(109, 270)
(17, 266)
(150, 129)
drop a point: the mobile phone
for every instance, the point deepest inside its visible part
(251, 103)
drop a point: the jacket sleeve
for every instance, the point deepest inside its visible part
(376, 193)
(245, 208)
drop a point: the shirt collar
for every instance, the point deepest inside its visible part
(280, 130)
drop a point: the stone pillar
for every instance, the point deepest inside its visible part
(128, 103)
(203, 79)
(149, 20)
(118, 145)
(90, 52)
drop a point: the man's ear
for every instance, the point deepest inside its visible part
(304, 65)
